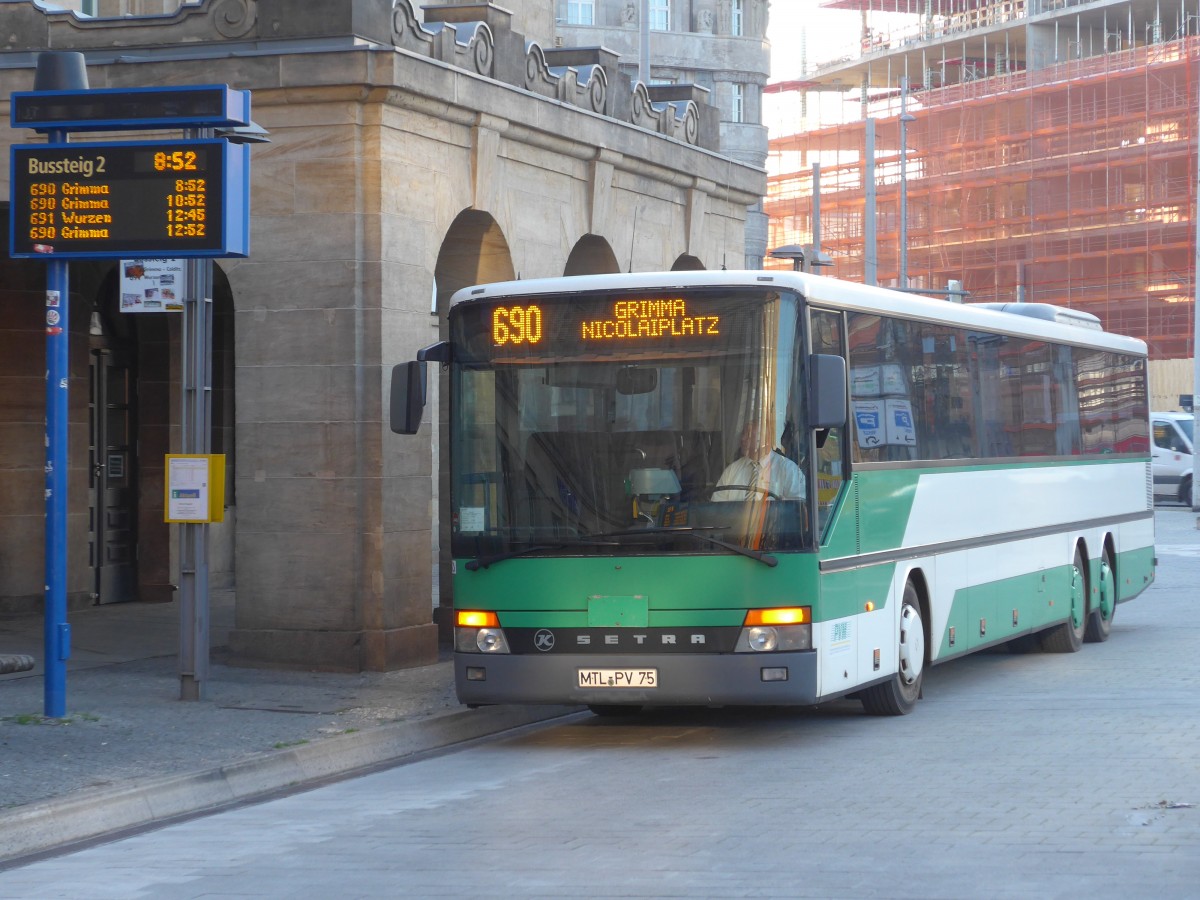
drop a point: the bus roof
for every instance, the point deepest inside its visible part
(1036, 320)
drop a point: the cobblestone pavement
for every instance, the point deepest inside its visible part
(1026, 776)
(130, 752)
(125, 719)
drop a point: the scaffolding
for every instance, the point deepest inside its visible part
(1073, 183)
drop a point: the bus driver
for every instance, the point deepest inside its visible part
(759, 472)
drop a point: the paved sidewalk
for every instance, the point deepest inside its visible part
(130, 752)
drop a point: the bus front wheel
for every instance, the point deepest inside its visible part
(899, 694)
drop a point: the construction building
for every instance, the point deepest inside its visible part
(1040, 151)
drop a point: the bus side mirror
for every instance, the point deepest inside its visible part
(408, 397)
(826, 391)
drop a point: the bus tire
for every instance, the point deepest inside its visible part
(1068, 637)
(1099, 623)
(899, 694)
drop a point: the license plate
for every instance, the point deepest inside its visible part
(618, 678)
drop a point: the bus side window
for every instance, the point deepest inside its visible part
(827, 337)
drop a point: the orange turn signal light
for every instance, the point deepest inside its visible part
(782, 615)
(473, 618)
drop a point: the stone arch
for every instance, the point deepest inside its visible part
(685, 262)
(474, 251)
(592, 255)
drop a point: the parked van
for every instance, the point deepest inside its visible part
(1172, 456)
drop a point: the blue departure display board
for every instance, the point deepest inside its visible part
(130, 199)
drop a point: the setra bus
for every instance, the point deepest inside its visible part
(776, 488)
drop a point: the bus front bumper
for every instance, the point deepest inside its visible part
(676, 679)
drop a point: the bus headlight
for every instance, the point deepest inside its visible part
(491, 640)
(762, 638)
(773, 629)
(479, 632)
(480, 640)
(774, 638)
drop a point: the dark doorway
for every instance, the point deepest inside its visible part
(113, 480)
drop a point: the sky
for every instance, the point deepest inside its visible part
(830, 33)
(798, 29)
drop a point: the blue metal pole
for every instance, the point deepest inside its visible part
(57, 71)
(57, 631)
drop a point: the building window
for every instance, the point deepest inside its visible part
(660, 15)
(737, 11)
(738, 113)
(581, 12)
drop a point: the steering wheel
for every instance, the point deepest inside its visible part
(746, 487)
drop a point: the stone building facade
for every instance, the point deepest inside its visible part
(413, 151)
(719, 45)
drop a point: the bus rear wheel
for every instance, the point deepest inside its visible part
(1099, 623)
(1068, 637)
(899, 694)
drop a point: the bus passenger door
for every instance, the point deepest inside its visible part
(827, 336)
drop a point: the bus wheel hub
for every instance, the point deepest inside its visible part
(912, 645)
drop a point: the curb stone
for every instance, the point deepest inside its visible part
(51, 824)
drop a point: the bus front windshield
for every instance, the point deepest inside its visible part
(618, 424)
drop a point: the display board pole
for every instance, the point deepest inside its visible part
(57, 71)
(57, 636)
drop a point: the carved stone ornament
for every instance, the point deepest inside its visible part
(597, 90)
(482, 50)
(234, 18)
(690, 129)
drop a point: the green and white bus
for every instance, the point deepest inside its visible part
(929, 479)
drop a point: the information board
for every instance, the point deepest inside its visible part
(195, 488)
(110, 200)
(211, 105)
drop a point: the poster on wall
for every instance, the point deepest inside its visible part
(152, 285)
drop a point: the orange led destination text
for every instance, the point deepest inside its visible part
(516, 325)
(649, 319)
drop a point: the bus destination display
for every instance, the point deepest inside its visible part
(621, 320)
(148, 199)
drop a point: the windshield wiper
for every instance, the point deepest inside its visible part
(483, 562)
(765, 558)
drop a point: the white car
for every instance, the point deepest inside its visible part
(1172, 455)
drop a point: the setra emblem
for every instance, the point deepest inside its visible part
(544, 640)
